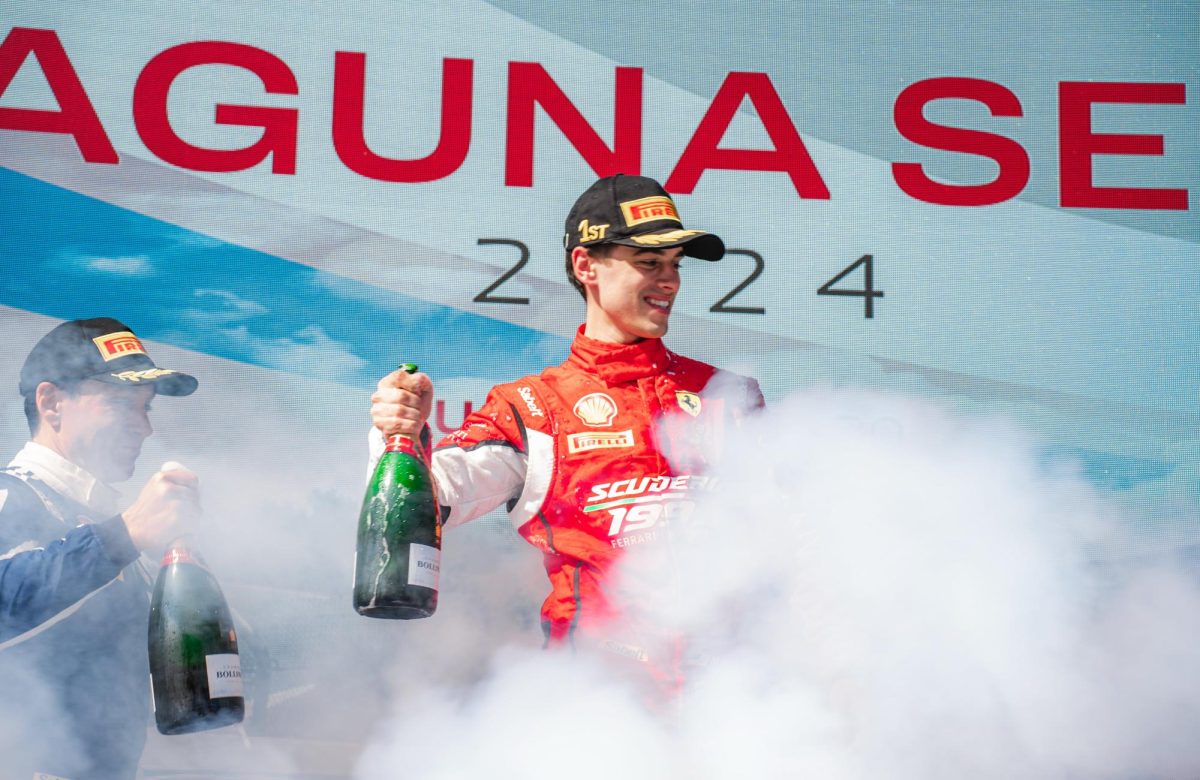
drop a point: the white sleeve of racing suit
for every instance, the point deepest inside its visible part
(474, 481)
(470, 481)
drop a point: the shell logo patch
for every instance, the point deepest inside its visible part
(688, 402)
(596, 410)
(118, 345)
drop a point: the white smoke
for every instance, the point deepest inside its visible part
(882, 589)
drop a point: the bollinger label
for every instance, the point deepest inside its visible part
(424, 564)
(224, 675)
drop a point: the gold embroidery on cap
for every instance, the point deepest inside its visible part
(591, 232)
(138, 376)
(654, 239)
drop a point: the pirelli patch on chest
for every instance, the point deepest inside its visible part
(599, 440)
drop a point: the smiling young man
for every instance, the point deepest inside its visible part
(606, 451)
(74, 597)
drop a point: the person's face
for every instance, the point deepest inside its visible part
(631, 292)
(101, 428)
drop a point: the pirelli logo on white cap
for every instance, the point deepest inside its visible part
(118, 345)
(597, 440)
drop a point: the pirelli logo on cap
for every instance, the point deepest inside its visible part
(648, 210)
(582, 442)
(118, 345)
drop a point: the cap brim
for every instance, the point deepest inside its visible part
(695, 243)
(165, 380)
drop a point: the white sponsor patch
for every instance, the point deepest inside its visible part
(582, 442)
(424, 565)
(224, 675)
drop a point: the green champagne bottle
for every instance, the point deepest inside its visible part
(195, 671)
(399, 550)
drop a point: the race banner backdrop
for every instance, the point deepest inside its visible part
(993, 207)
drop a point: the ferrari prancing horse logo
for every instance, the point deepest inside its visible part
(688, 402)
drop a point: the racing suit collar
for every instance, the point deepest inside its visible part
(66, 478)
(619, 362)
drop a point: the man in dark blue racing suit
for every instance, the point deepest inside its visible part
(74, 591)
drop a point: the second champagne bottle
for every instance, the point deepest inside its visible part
(195, 670)
(398, 556)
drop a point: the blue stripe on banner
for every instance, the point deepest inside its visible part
(66, 255)
(1111, 470)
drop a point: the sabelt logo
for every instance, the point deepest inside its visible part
(629, 651)
(118, 345)
(648, 210)
(596, 410)
(530, 404)
(595, 440)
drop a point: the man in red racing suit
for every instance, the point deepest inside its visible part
(606, 451)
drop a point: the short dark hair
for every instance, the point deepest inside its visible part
(596, 251)
(31, 411)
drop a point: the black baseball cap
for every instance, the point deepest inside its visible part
(103, 349)
(634, 211)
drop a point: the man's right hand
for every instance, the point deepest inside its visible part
(401, 403)
(166, 509)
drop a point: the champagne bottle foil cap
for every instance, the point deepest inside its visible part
(401, 443)
(179, 553)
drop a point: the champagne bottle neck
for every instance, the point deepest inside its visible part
(182, 550)
(401, 443)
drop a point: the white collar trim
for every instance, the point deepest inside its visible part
(65, 477)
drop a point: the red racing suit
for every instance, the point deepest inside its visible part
(591, 458)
